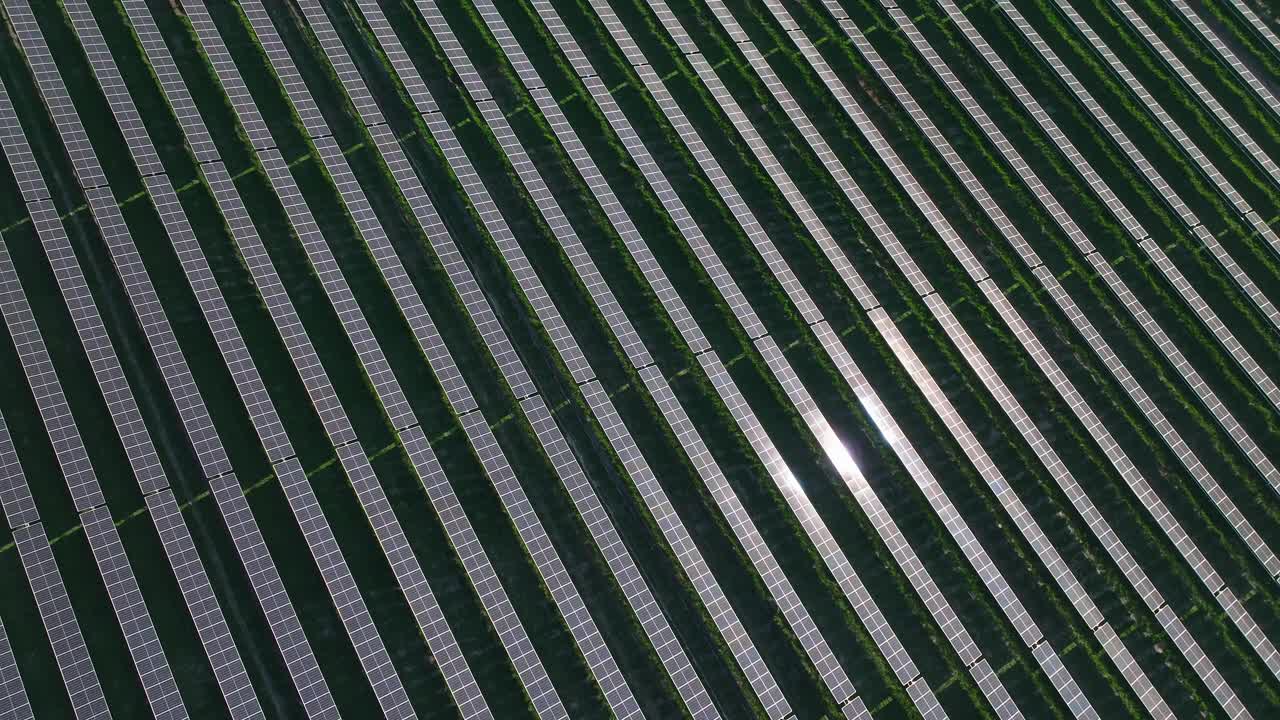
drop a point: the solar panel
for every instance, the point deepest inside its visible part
(336, 288)
(682, 545)
(572, 245)
(670, 653)
(345, 70)
(463, 686)
(286, 629)
(493, 596)
(511, 253)
(46, 388)
(460, 276)
(997, 216)
(871, 505)
(369, 648)
(113, 86)
(235, 353)
(802, 624)
(15, 496)
(59, 619)
(228, 76)
(166, 71)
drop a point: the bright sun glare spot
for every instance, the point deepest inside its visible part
(844, 462)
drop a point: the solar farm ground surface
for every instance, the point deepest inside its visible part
(619, 358)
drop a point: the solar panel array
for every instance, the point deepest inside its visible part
(1000, 589)
(117, 574)
(1078, 637)
(1177, 535)
(605, 535)
(1197, 156)
(1055, 290)
(572, 476)
(1025, 628)
(730, 627)
(620, 438)
(1165, 192)
(1211, 36)
(1184, 74)
(1153, 250)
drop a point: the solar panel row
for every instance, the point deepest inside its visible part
(15, 497)
(59, 618)
(13, 695)
(113, 233)
(667, 646)
(519, 648)
(1177, 535)
(52, 602)
(171, 82)
(559, 583)
(314, 693)
(940, 302)
(1257, 24)
(19, 511)
(144, 646)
